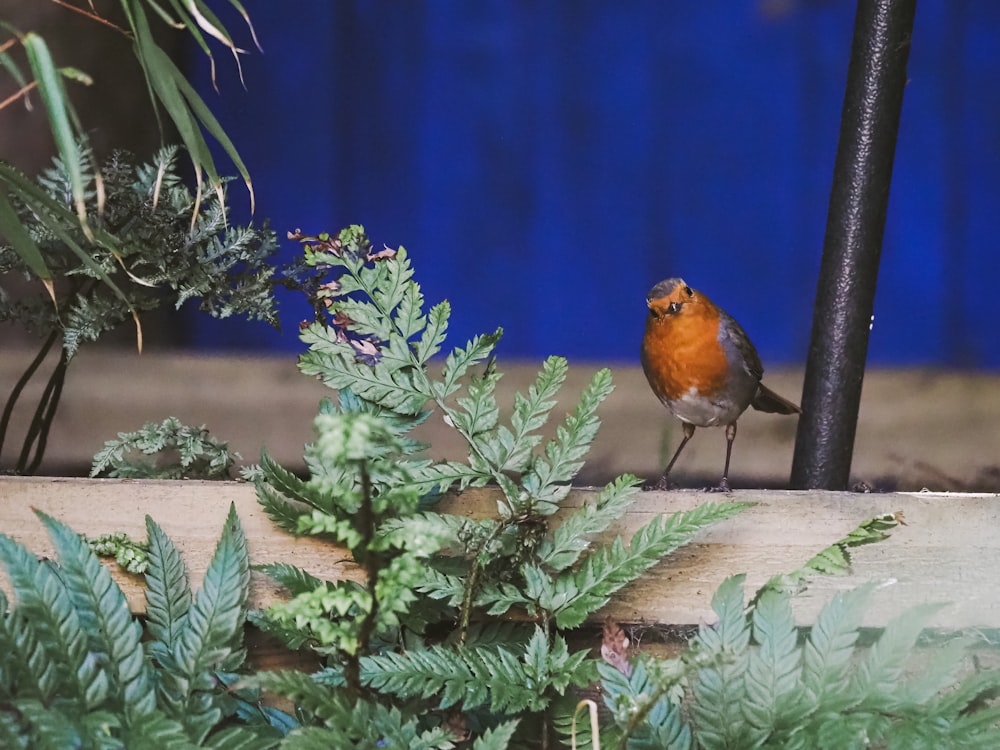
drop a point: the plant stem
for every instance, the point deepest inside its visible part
(372, 563)
(57, 381)
(19, 386)
(41, 421)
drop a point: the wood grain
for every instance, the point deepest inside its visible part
(949, 550)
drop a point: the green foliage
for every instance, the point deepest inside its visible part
(154, 251)
(186, 453)
(836, 558)
(371, 489)
(755, 683)
(169, 91)
(150, 250)
(131, 555)
(78, 670)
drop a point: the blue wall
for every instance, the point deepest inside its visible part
(546, 162)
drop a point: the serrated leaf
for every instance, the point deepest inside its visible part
(569, 540)
(104, 611)
(610, 567)
(877, 677)
(434, 333)
(830, 646)
(773, 675)
(168, 593)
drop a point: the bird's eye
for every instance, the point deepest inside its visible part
(673, 308)
(688, 291)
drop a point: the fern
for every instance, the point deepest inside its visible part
(192, 452)
(755, 686)
(369, 487)
(644, 707)
(104, 614)
(569, 539)
(492, 676)
(579, 593)
(78, 670)
(147, 241)
(719, 689)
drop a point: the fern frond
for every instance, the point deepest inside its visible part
(530, 413)
(210, 635)
(940, 669)
(496, 738)
(104, 612)
(569, 540)
(480, 413)
(434, 334)
(643, 708)
(240, 738)
(308, 695)
(168, 593)
(773, 676)
(546, 478)
(720, 689)
(57, 637)
(212, 630)
(438, 585)
(580, 592)
(461, 359)
(874, 684)
(295, 579)
(828, 650)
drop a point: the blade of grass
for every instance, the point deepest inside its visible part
(61, 117)
(23, 244)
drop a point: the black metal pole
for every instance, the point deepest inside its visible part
(859, 198)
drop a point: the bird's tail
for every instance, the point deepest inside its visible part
(769, 401)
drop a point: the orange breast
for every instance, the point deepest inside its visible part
(682, 352)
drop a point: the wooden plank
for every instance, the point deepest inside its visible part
(917, 428)
(948, 551)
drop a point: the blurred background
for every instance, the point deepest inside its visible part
(546, 163)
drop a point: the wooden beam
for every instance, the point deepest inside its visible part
(949, 550)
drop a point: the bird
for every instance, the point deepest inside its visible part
(702, 366)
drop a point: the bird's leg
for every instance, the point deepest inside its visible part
(730, 437)
(663, 482)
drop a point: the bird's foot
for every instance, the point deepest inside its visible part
(663, 483)
(723, 486)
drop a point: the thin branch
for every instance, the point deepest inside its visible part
(18, 94)
(93, 16)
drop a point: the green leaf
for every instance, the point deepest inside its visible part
(544, 481)
(569, 540)
(434, 333)
(60, 648)
(168, 593)
(296, 580)
(457, 364)
(23, 243)
(877, 679)
(212, 630)
(497, 738)
(608, 568)
(104, 612)
(773, 677)
(53, 93)
(830, 646)
(720, 689)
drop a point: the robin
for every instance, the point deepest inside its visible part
(701, 365)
